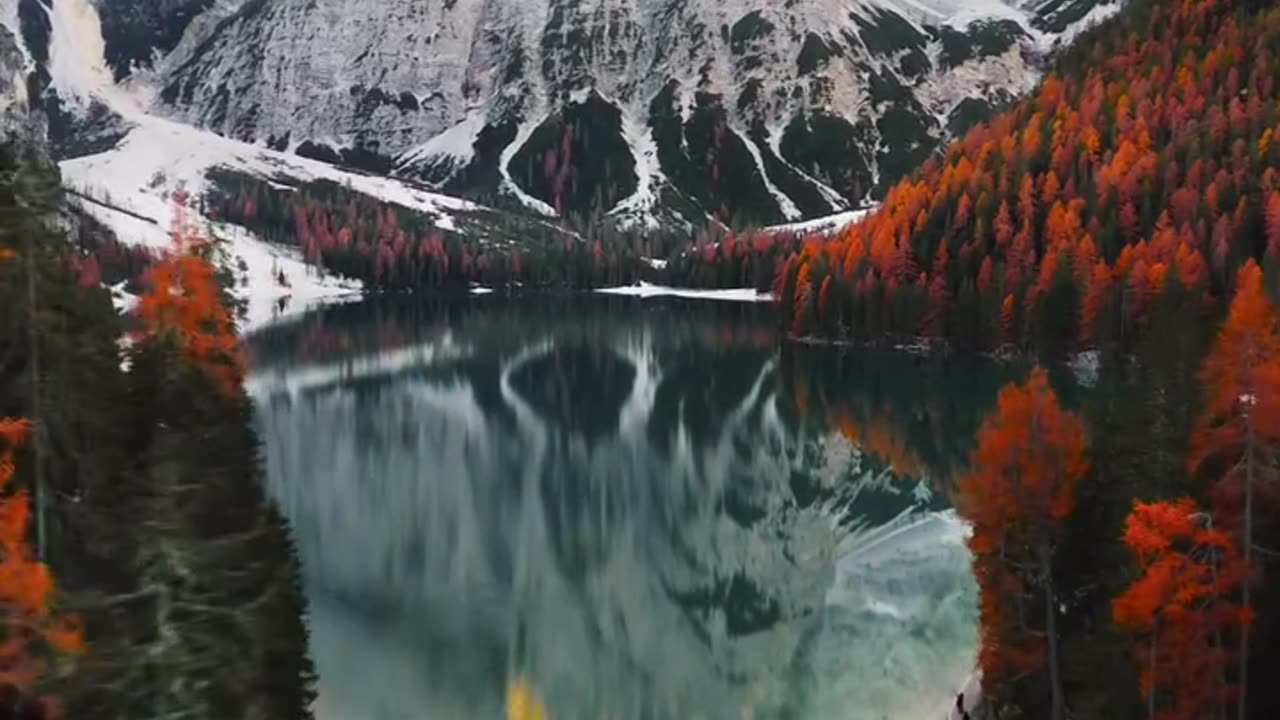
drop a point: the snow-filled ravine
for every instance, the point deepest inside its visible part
(643, 507)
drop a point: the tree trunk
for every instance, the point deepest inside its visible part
(37, 418)
(1151, 696)
(1242, 708)
(1058, 711)
(1218, 644)
(1222, 670)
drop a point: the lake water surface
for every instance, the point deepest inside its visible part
(644, 509)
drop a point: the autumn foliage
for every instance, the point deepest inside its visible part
(1235, 448)
(1241, 378)
(390, 247)
(183, 301)
(1135, 181)
(32, 628)
(1179, 608)
(1020, 490)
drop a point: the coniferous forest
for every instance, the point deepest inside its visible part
(1137, 181)
(391, 248)
(1124, 553)
(175, 588)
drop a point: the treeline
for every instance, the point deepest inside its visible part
(725, 259)
(1135, 181)
(106, 260)
(391, 248)
(141, 468)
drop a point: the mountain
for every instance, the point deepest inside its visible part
(124, 167)
(653, 111)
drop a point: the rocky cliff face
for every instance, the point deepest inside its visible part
(15, 117)
(753, 111)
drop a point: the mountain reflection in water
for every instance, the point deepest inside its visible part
(643, 509)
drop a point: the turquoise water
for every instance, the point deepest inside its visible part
(648, 510)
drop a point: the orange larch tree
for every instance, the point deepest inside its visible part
(1236, 441)
(1018, 495)
(183, 301)
(32, 629)
(1178, 608)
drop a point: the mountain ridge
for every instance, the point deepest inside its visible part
(656, 113)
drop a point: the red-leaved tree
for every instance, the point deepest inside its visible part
(1018, 495)
(1236, 441)
(1179, 607)
(183, 301)
(33, 630)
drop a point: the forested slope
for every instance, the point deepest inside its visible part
(1125, 553)
(135, 486)
(1141, 174)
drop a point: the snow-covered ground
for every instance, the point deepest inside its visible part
(648, 290)
(269, 301)
(159, 157)
(824, 225)
(256, 264)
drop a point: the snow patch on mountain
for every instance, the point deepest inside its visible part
(77, 64)
(955, 13)
(1096, 15)
(522, 134)
(76, 50)
(457, 144)
(822, 226)
(637, 209)
(788, 206)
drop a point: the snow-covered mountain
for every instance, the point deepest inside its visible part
(758, 110)
(124, 165)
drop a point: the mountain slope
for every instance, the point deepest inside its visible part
(648, 109)
(145, 162)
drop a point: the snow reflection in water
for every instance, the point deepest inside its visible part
(635, 518)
